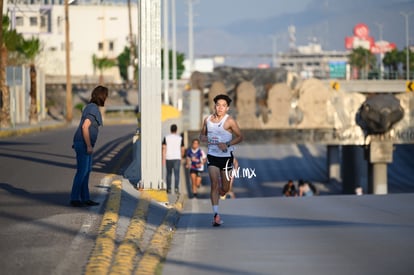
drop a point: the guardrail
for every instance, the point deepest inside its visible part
(368, 86)
(121, 108)
(327, 136)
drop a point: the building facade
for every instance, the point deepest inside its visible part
(311, 61)
(100, 29)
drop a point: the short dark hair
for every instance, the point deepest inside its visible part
(173, 128)
(224, 97)
(99, 95)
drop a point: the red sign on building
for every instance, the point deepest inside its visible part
(362, 39)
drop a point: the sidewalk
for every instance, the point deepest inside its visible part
(49, 124)
(26, 128)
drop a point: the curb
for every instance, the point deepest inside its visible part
(31, 129)
(161, 241)
(132, 243)
(101, 257)
(106, 258)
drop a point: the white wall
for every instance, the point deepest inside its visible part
(89, 25)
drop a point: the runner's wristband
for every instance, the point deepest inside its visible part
(228, 144)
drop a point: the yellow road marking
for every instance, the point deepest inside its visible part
(132, 243)
(101, 257)
(160, 243)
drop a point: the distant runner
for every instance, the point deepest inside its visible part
(221, 132)
(196, 158)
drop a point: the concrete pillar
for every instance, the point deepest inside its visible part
(192, 116)
(150, 92)
(354, 168)
(334, 165)
(380, 154)
(378, 179)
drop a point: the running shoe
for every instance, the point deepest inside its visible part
(217, 221)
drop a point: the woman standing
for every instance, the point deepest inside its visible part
(83, 142)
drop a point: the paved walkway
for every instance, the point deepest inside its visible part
(274, 235)
(315, 235)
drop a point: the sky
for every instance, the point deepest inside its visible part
(246, 26)
(216, 13)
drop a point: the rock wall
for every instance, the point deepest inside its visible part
(245, 101)
(286, 102)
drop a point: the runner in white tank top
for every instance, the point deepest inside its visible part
(217, 134)
(221, 132)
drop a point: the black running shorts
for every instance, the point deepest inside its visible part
(197, 172)
(220, 162)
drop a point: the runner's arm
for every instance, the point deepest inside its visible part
(203, 132)
(235, 129)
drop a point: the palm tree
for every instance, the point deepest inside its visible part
(2, 74)
(102, 64)
(30, 49)
(392, 60)
(124, 60)
(411, 59)
(9, 42)
(4, 91)
(180, 62)
(362, 59)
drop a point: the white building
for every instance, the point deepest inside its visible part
(202, 65)
(95, 29)
(311, 61)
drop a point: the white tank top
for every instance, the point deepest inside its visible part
(217, 134)
(173, 142)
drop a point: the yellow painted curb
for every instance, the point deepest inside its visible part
(160, 243)
(158, 248)
(101, 257)
(132, 243)
(157, 195)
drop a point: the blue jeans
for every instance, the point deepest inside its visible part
(173, 165)
(80, 187)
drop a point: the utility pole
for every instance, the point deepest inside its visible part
(166, 52)
(380, 28)
(174, 53)
(407, 15)
(69, 108)
(274, 49)
(190, 37)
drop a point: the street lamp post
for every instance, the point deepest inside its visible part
(274, 48)
(381, 27)
(407, 15)
(166, 54)
(190, 36)
(174, 53)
